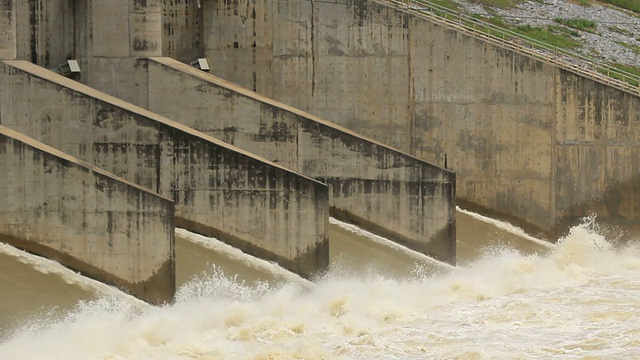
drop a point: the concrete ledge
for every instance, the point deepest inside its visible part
(373, 185)
(218, 189)
(56, 206)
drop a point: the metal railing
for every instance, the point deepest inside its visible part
(585, 66)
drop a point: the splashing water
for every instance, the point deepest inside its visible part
(581, 300)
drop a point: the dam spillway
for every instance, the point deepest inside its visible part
(152, 32)
(359, 316)
(253, 204)
(536, 140)
(204, 261)
(477, 311)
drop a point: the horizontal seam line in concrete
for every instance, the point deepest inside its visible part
(256, 96)
(48, 75)
(55, 152)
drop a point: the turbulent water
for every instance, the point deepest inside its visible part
(513, 298)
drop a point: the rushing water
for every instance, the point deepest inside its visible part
(512, 297)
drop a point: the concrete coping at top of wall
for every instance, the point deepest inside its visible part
(81, 163)
(220, 190)
(374, 185)
(110, 229)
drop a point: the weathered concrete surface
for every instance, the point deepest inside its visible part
(374, 186)
(496, 128)
(120, 29)
(219, 190)
(109, 229)
(596, 151)
(435, 93)
(349, 61)
(182, 29)
(8, 47)
(502, 121)
(48, 32)
(45, 31)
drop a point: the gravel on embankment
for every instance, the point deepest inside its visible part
(614, 25)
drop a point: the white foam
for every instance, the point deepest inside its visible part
(580, 300)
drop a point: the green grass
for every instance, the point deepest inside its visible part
(552, 35)
(632, 47)
(499, 3)
(443, 9)
(447, 4)
(633, 5)
(630, 69)
(619, 30)
(563, 37)
(578, 24)
(496, 21)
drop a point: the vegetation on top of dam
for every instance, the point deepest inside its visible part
(632, 5)
(605, 30)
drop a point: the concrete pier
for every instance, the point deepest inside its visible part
(374, 186)
(56, 206)
(219, 190)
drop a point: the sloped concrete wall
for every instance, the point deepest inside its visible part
(56, 206)
(374, 186)
(504, 122)
(218, 190)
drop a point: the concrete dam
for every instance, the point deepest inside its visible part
(273, 205)
(306, 110)
(532, 139)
